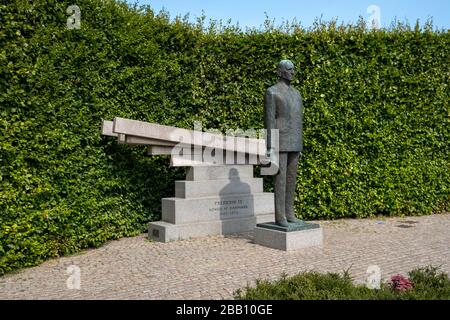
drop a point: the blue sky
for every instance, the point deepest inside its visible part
(251, 13)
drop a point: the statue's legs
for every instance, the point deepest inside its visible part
(291, 179)
(280, 191)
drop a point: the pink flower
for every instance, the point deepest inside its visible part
(401, 283)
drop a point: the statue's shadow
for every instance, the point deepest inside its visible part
(236, 203)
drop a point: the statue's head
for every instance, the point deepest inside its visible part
(286, 70)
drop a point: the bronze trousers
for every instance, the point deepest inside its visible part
(285, 182)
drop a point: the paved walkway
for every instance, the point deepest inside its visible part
(212, 268)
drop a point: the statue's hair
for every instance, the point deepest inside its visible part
(283, 63)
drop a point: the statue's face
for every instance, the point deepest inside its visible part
(287, 71)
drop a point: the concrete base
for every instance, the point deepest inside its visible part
(213, 201)
(288, 240)
(162, 231)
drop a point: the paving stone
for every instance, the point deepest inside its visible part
(216, 266)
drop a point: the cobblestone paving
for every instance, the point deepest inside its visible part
(214, 267)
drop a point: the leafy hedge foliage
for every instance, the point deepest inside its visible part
(428, 283)
(376, 119)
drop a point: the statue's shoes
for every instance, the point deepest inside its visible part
(294, 220)
(283, 223)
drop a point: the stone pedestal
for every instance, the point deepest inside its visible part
(296, 236)
(213, 200)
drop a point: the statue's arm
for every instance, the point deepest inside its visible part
(300, 99)
(269, 116)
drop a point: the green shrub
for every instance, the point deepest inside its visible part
(376, 116)
(428, 284)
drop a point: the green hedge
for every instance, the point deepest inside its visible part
(376, 116)
(428, 283)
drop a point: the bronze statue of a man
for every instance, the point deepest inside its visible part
(283, 110)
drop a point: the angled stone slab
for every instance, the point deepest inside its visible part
(159, 150)
(145, 141)
(166, 150)
(121, 138)
(182, 162)
(195, 160)
(178, 135)
(107, 128)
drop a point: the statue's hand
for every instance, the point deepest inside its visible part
(272, 167)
